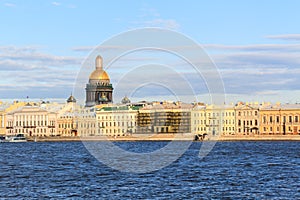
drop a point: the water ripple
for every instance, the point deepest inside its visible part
(233, 170)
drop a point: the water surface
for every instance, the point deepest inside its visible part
(59, 170)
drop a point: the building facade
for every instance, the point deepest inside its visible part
(67, 119)
(280, 119)
(86, 123)
(247, 118)
(32, 121)
(228, 116)
(214, 120)
(165, 117)
(2, 122)
(198, 119)
(117, 120)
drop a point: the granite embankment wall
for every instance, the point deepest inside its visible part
(168, 137)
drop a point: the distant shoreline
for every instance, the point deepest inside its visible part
(167, 137)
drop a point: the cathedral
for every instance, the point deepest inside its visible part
(99, 89)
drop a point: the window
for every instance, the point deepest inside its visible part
(290, 119)
(277, 119)
(296, 118)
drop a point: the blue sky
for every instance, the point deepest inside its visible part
(254, 44)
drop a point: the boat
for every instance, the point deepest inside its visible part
(17, 138)
(2, 139)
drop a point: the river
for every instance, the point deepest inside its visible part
(232, 170)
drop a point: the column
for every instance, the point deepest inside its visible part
(2, 120)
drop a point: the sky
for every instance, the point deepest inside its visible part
(255, 46)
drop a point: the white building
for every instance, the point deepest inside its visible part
(31, 120)
(86, 123)
(117, 120)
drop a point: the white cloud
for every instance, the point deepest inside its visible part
(256, 70)
(158, 23)
(34, 55)
(162, 23)
(101, 48)
(150, 17)
(257, 58)
(9, 4)
(54, 3)
(83, 48)
(27, 69)
(254, 47)
(253, 70)
(285, 36)
(245, 69)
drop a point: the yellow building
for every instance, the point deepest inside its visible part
(2, 121)
(67, 118)
(2, 113)
(247, 118)
(228, 116)
(280, 119)
(198, 119)
(213, 120)
(67, 125)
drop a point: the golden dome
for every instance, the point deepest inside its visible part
(99, 75)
